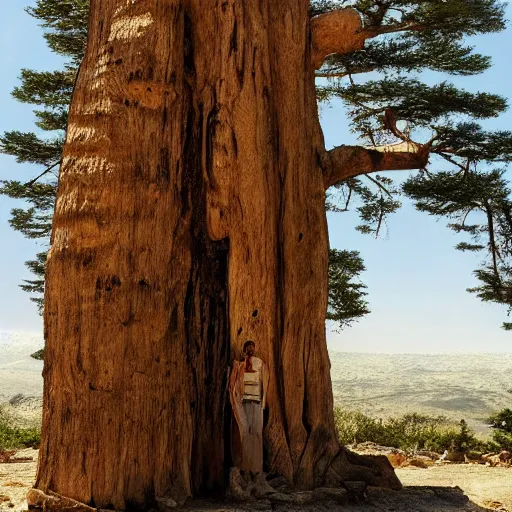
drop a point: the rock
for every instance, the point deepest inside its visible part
(395, 456)
(279, 497)
(329, 493)
(6, 455)
(505, 456)
(418, 462)
(454, 456)
(493, 460)
(428, 453)
(296, 498)
(356, 489)
(278, 482)
(396, 459)
(260, 505)
(302, 498)
(165, 504)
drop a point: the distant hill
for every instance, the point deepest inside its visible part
(19, 373)
(21, 382)
(469, 386)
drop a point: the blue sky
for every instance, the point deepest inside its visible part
(416, 280)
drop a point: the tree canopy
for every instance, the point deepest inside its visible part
(390, 107)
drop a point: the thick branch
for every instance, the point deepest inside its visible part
(337, 31)
(344, 162)
(341, 31)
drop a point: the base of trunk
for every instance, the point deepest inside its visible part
(346, 478)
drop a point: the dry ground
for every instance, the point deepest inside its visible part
(426, 490)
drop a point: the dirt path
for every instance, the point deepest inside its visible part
(426, 490)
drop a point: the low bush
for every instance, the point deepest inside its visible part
(409, 432)
(501, 423)
(12, 436)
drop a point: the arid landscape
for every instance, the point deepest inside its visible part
(469, 386)
(456, 386)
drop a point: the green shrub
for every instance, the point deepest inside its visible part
(39, 355)
(501, 422)
(12, 436)
(409, 432)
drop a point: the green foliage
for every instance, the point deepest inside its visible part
(38, 355)
(451, 19)
(374, 205)
(412, 35)
(484, 196)
(36, 286)
(465, 439)
(414, 102)
(65, 30)
(469, 142)
(28, 147)
(501, 423)
(12, 436)
(51, 89)
(346, 295)
(66, 24)
(409, 432)
(395, 104)
(408, 54)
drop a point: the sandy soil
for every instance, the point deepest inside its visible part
(16, 479)
(448, 488)
(489, 487)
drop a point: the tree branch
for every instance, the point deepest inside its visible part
(343, 74)
(344, 162)
(46, 171)
(341, 31)
(380, 185)
(492, 241)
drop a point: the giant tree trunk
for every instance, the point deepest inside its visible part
(190, 218)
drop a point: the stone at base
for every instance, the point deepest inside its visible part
(278, 482)
(166, 504)
(356, 490)
(329, 493)
(296, 498)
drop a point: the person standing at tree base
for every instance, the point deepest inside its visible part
(248, 390)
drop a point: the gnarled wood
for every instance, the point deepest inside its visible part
(344, 162)
(341, 31)
(338, 31)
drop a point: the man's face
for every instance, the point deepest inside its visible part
(250, 350)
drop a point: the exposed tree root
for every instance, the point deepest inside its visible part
(374, 470)
(38, 500)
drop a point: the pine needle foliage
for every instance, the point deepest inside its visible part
(65, 29)
(391, 105)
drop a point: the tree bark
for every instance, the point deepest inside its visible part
(344, 162)
(190, 218)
